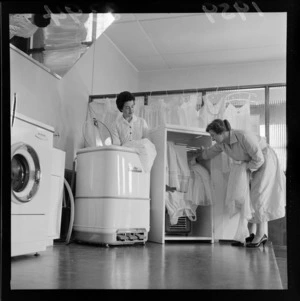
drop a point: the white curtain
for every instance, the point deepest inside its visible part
(184, 109)
(100, 117)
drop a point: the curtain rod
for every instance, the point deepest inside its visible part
(170, 92)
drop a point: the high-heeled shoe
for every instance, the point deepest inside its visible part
(263, 241)
(241, 244)
(250, 238)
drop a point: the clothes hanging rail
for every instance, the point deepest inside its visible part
(186, 91)
(189, 148)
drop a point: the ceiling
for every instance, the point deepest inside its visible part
(181, 40)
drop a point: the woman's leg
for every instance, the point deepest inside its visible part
(252, 228)
(267, 193)
(260, 231)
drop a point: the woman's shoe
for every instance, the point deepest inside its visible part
(241, 244)
(250, 238)
(263, 240)
(237, 244)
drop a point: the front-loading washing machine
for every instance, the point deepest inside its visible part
(31, 158)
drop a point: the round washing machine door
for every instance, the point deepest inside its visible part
(25, 173)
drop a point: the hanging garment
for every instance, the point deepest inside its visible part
(178, 169)
(162, 112)
(238, 190)
(177, 207)
(238, 117)
(172, 169)
(172, 110)
(201, 112)
(211, 111)
(147, 115)
(208, 112)
(202, 185)
(154, 112)
(182, 110)
(183, 170)
(238, 198)
(146, 150)
(138, 105)
(189, 109)
(193, 119)
(188, 195)
(230, 115)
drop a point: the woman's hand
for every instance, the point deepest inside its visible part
(250, 175)
(200, 150)
(198, 154)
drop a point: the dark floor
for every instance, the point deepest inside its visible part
(151, 266)
(281, 259)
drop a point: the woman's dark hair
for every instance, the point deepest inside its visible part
(219, 126)
(40, 21)
(122, 98)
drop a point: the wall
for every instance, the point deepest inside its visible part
(112, 71)
(102, 70)
(62, 103)
(74, 88)
(37, 93)
(214, 76)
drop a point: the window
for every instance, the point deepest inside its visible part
(277, 123)
(267, 106)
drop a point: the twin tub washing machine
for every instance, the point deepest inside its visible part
(112, 204)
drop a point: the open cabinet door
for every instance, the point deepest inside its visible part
(157, 187)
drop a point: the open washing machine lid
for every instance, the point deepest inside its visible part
(31, 121)
(25, 173)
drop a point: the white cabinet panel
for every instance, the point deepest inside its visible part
(202, 228)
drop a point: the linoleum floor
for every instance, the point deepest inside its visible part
(173, 265)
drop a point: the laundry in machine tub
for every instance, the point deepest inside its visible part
(112, 203)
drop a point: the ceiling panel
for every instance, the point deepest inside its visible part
(130, 39)
(222, 56)
(154, 62)
(198, 34)
(156, 41)
(148, 16)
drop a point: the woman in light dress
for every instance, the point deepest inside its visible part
(132, 131)
(267, 179)
(128, 126)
